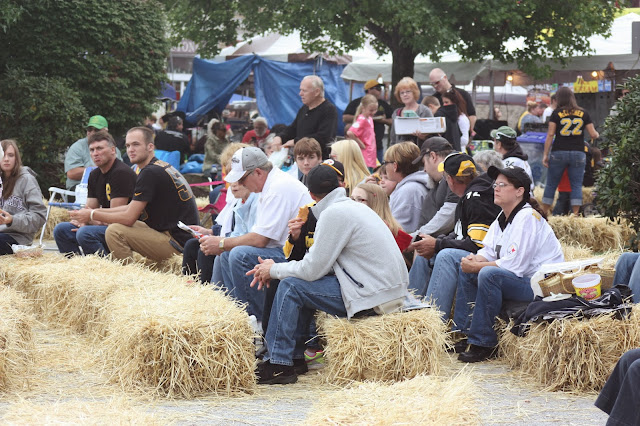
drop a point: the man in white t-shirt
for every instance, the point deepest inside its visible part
(549, 110)
(281, 196)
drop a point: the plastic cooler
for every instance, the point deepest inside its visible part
(532, 144)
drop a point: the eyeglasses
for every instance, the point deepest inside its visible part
(359, 199)
(243, 178)
(435, 83)
(91, 129)
(406, 92)
(500, 185)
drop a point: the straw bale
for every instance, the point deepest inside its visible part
(575, 252)
(158, 332)
(16, 338)
(571, 354)
(202, 202)
(181, 340)
(596, 233)
(386, 347)
(423, 400)
(56, 215)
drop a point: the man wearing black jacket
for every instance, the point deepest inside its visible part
(317, 119)
(474, 214)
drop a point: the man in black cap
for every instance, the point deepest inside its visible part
(438, 211)
(348, 235)
(474, 214)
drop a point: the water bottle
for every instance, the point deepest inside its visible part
(81, 194)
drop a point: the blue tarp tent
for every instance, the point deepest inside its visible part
(277, 85)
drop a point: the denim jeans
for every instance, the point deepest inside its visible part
(620, 396)
(194, 261)
(419, 275)
(6, 241)
(488, 289)
(628, 273)
(70, 238)
(232, 268)
(574, 162)
(444, 280)
(293, 308)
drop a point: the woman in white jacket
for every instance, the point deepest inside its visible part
(518, 242)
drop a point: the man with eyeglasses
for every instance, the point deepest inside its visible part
(78, 156)
(281, 195)
(381, 118)
(441, 84)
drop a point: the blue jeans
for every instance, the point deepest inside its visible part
(574, 162)
(194, 261)
(488, 289)
(444, 280)
(419, 275)
(293, 308)
(6, 241)
(70, 238)
(230, 269)
(628, 273)
(620, 396)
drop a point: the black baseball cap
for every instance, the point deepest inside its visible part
(433, 144)
(322, 179)
(512, 172)
(456, 164)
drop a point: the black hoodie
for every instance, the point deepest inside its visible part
(452, 134)
(517, 152)
(474, 215)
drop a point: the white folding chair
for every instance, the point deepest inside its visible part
(63, 194)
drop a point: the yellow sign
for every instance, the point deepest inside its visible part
(581, 86)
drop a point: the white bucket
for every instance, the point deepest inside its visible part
(587, 286)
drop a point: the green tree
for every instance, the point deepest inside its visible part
(618, 182)
(42, 115)
(475, 28)
(113, 53)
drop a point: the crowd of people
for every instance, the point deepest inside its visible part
(350, 229)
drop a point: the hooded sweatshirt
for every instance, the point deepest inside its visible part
(407, 199)
(348, 249)
(452, 133)
(26, 206)
(517, 157)
(475, 213)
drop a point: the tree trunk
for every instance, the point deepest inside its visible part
(403, 66)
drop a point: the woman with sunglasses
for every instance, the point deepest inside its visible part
(518, 242)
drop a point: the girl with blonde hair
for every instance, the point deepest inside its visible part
(362, 130)
(348, 153)
(374, 196)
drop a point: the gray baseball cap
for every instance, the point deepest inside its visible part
(245, 160)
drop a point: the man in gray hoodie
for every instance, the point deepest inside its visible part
(336, 276)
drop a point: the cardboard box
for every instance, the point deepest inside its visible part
(409, 125)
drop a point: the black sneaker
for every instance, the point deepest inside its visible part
(459, 347)
(477, 353)
(276, 374)
(300, 366)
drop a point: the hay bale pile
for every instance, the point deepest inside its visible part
(596, 233)
(571, 355)
(587, 195)
(386, 347)
(155, 331)
(56, 215)
(423, 400)
(16, 338)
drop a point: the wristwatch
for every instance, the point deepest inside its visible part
(221, 244)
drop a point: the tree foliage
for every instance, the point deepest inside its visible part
(43, 118)
(618, 182)
(113, 54)
(476, 29)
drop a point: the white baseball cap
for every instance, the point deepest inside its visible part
(245, 160)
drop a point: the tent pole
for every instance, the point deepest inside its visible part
(491, 94)
(351, 91)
